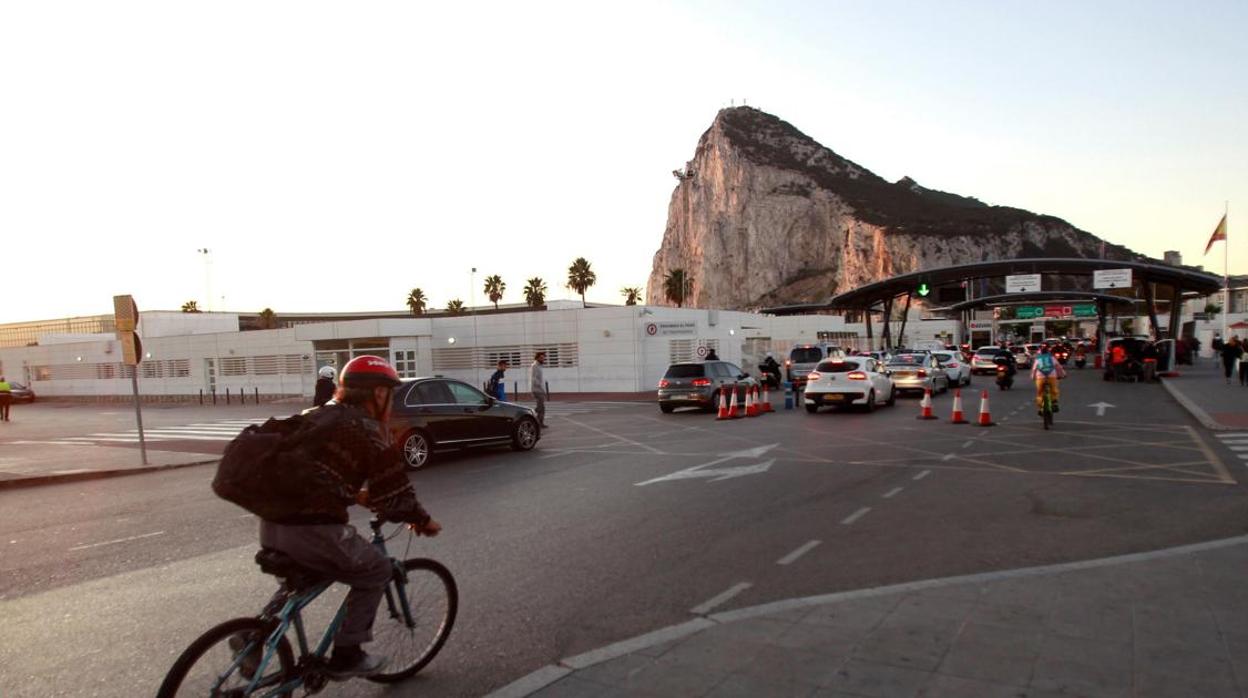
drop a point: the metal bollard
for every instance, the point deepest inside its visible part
(788, 395)
(242, 396)
(214, 396)
(201, 396)
(257, 396)
(227, 396)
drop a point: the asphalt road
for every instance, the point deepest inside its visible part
(625, 520)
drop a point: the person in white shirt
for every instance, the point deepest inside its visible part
(537, 386)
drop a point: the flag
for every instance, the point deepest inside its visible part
(1218, 234)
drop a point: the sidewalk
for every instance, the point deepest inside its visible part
(1165, 623)
(60, 463)
(1203, 391)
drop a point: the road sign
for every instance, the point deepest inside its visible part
(924, 289)
(1058, 311)
(1028, 312)
(652, 329)
(1022, 283)
(131, 348)
(702, 352)
(1111, 278)
(125, 314)
(1085, 310)
(667, 329)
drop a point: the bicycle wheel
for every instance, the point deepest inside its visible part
(210, 667)
(434, 600)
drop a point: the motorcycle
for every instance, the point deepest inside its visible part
(1005, 379)
(770, 376)
(1081, 360)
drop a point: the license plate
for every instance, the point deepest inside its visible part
(834, 397)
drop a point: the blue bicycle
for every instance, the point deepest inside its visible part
(253, 657)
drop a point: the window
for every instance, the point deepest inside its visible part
(686, 371)
(233, 366)
(733, 370)
(837, 366)
(805, 355)
(464, 394)
(432, 393)
(405, 363)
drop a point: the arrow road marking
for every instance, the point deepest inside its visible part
(1100, 408)
(716, 474)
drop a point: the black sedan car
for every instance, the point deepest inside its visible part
(443, 414)
(21, 393)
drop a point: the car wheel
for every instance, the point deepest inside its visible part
(667, 409)
(417, 449)
(811, 409)
(870, 406)
(892, 397)
(524, 436)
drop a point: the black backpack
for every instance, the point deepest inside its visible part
(270, 470)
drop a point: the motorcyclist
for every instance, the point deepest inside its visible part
(324, 386)
(771, 367)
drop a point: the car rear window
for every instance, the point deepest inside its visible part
(685, 371)
(943, 356)
(907, 360)
(837, 366)
(987, 351)
(806, 355)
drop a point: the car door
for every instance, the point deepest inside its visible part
(879, 381)
(430, 406)
(479, 418)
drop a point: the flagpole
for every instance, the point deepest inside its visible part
(1226, 277)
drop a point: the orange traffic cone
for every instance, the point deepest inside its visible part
(723, 407)
(926, 405)
(733, 412)
(985, 419)
(751, 409)
(958, 417)
(767, 399)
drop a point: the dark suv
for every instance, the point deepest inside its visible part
(698, 384)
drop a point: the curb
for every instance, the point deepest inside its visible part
(549, 674)
(78, 476)
(1196, 410)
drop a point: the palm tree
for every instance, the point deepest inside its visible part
(581, 277)
(535, 292)
(455, 307)
(416, 301)
(631, 294)
(676, 286)
(268, 319)
(494, 288)
(191, 307)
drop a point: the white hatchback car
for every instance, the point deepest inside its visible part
(959, 371)
(854, 380)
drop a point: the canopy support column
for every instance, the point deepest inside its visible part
(886, 337)
(1176, 314)
(1150, 299)
(866, 315)
(901, 336)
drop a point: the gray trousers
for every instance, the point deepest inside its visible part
(540, 397)
(339, 553)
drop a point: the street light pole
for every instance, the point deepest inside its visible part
(207, 277)
(472, 301)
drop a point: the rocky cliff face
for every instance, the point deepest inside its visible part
(763, 215)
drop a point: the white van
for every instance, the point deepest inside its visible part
(804, 357)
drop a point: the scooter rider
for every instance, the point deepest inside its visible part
(1005, 358)
(770, 367)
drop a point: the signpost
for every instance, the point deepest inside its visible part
(1022, 283)
(1028, 312)
(1111, 278)
(126, 317)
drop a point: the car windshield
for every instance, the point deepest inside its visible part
(944, 356)
(838, 366)
(987, 351)
(806, 355)
(686, 371)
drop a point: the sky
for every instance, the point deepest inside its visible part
(332, 157)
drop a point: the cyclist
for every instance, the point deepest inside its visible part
(356, 453)
(1046, 370)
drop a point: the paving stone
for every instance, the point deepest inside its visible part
(1058, 647)
(987, 663)
(672, 679)
(930, 605)
(746, 686)
(941, 686)
(721, 649)
(759, 629)
(825, 639)
(1068, 677)
(573, 687)
(860, 613)
(616, 671)
(1022, 642)
(908, 647)
(861, 678)
(1010, 615)
(1148, 685)
(1185, 664)
(786, 665)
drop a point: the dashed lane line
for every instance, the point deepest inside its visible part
(947, 457)
(922, 475)
(114, 542)
(793, 556)
(855, 516)
(706, 606)
(967, 444)
(893, 492)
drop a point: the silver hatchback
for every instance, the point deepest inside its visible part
(918, 372)
(699, 384)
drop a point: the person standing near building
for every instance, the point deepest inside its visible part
(6, 399)
(1232, 352)
(537, 386)
(495, 388)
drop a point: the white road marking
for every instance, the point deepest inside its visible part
(922, 475)
(856, 515)
(706, 606)
(947, 457)
(967, 444)
(638, 444)
(705, 470)
(1232, 435)
(893, 492)
(1100, 407)
(807, 547)
(1237, 448)
(119, 540)
(555, 454)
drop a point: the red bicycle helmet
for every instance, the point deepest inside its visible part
(368, 372)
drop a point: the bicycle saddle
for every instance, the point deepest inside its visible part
(279, 564)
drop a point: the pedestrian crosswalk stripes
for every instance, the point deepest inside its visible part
(1233, 435)
(222, 430)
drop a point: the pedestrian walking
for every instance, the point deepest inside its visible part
(496, 388)
(324, 386)
(537, 386)
(1232, 354)
(6, 399)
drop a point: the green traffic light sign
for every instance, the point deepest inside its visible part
(924, 289)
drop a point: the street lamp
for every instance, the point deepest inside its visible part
(207, 276)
